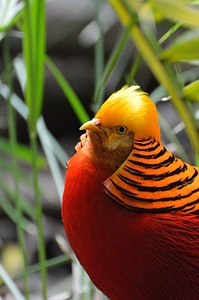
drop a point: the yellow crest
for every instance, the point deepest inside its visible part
(131, 108)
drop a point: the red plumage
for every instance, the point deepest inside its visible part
(128, 254)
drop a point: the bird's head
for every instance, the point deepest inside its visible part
(127, 115)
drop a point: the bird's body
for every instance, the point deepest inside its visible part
(130, 210)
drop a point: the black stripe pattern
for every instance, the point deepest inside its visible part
(152, 179)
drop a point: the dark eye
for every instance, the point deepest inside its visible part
(121, 129)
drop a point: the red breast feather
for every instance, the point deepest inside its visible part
(129, 255)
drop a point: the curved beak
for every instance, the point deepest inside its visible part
(92, 125)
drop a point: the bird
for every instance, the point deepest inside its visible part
(130, 207)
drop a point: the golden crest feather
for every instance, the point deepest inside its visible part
(131, 108)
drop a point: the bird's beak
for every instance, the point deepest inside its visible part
(92, 125)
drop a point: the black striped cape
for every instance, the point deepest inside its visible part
(153, 180)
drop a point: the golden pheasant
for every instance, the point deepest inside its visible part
(130, 207)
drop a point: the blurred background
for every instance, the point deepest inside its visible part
(83, 51)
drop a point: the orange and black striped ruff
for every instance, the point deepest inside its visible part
(152, 179)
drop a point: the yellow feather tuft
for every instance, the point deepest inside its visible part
(133, 109)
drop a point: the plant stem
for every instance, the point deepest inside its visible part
(99, 49)
(38, 204)
(68, 91)
(111, 63)
(33, 50)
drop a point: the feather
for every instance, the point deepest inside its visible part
(152, 179)
(130, 107)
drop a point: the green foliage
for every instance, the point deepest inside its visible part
(176, 11)
(149, 15)
(9, 13)
(183, 49)
(191, 91)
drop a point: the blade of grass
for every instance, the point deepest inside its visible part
(177, 10)
(16, 102)
(68, 92)
(10, 11)
(33, 50)
(10, 211)
(27, 208)
(169, 33)
(130, 78)
(172, 137)
(112, 61)
(39, 216)
(47, 146)
(99, 47)
(22, 153)
(197, 159)
(10, 284)
(39, 38)
(53, 144)
(184, 50)
(34, 35)
(50, 263)
(191, 91)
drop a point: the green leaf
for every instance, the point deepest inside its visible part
(10, 284)
(34, 49)
(177, 10)
(9, 12)
(22, 152)
(191, 91)
(110, 65)
(10, 211)
(27, 208)
(185, 48)
(170, 32)
(68, 92)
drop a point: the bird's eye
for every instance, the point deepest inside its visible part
(121, 129)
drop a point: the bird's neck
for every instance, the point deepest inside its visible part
(153, 179)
